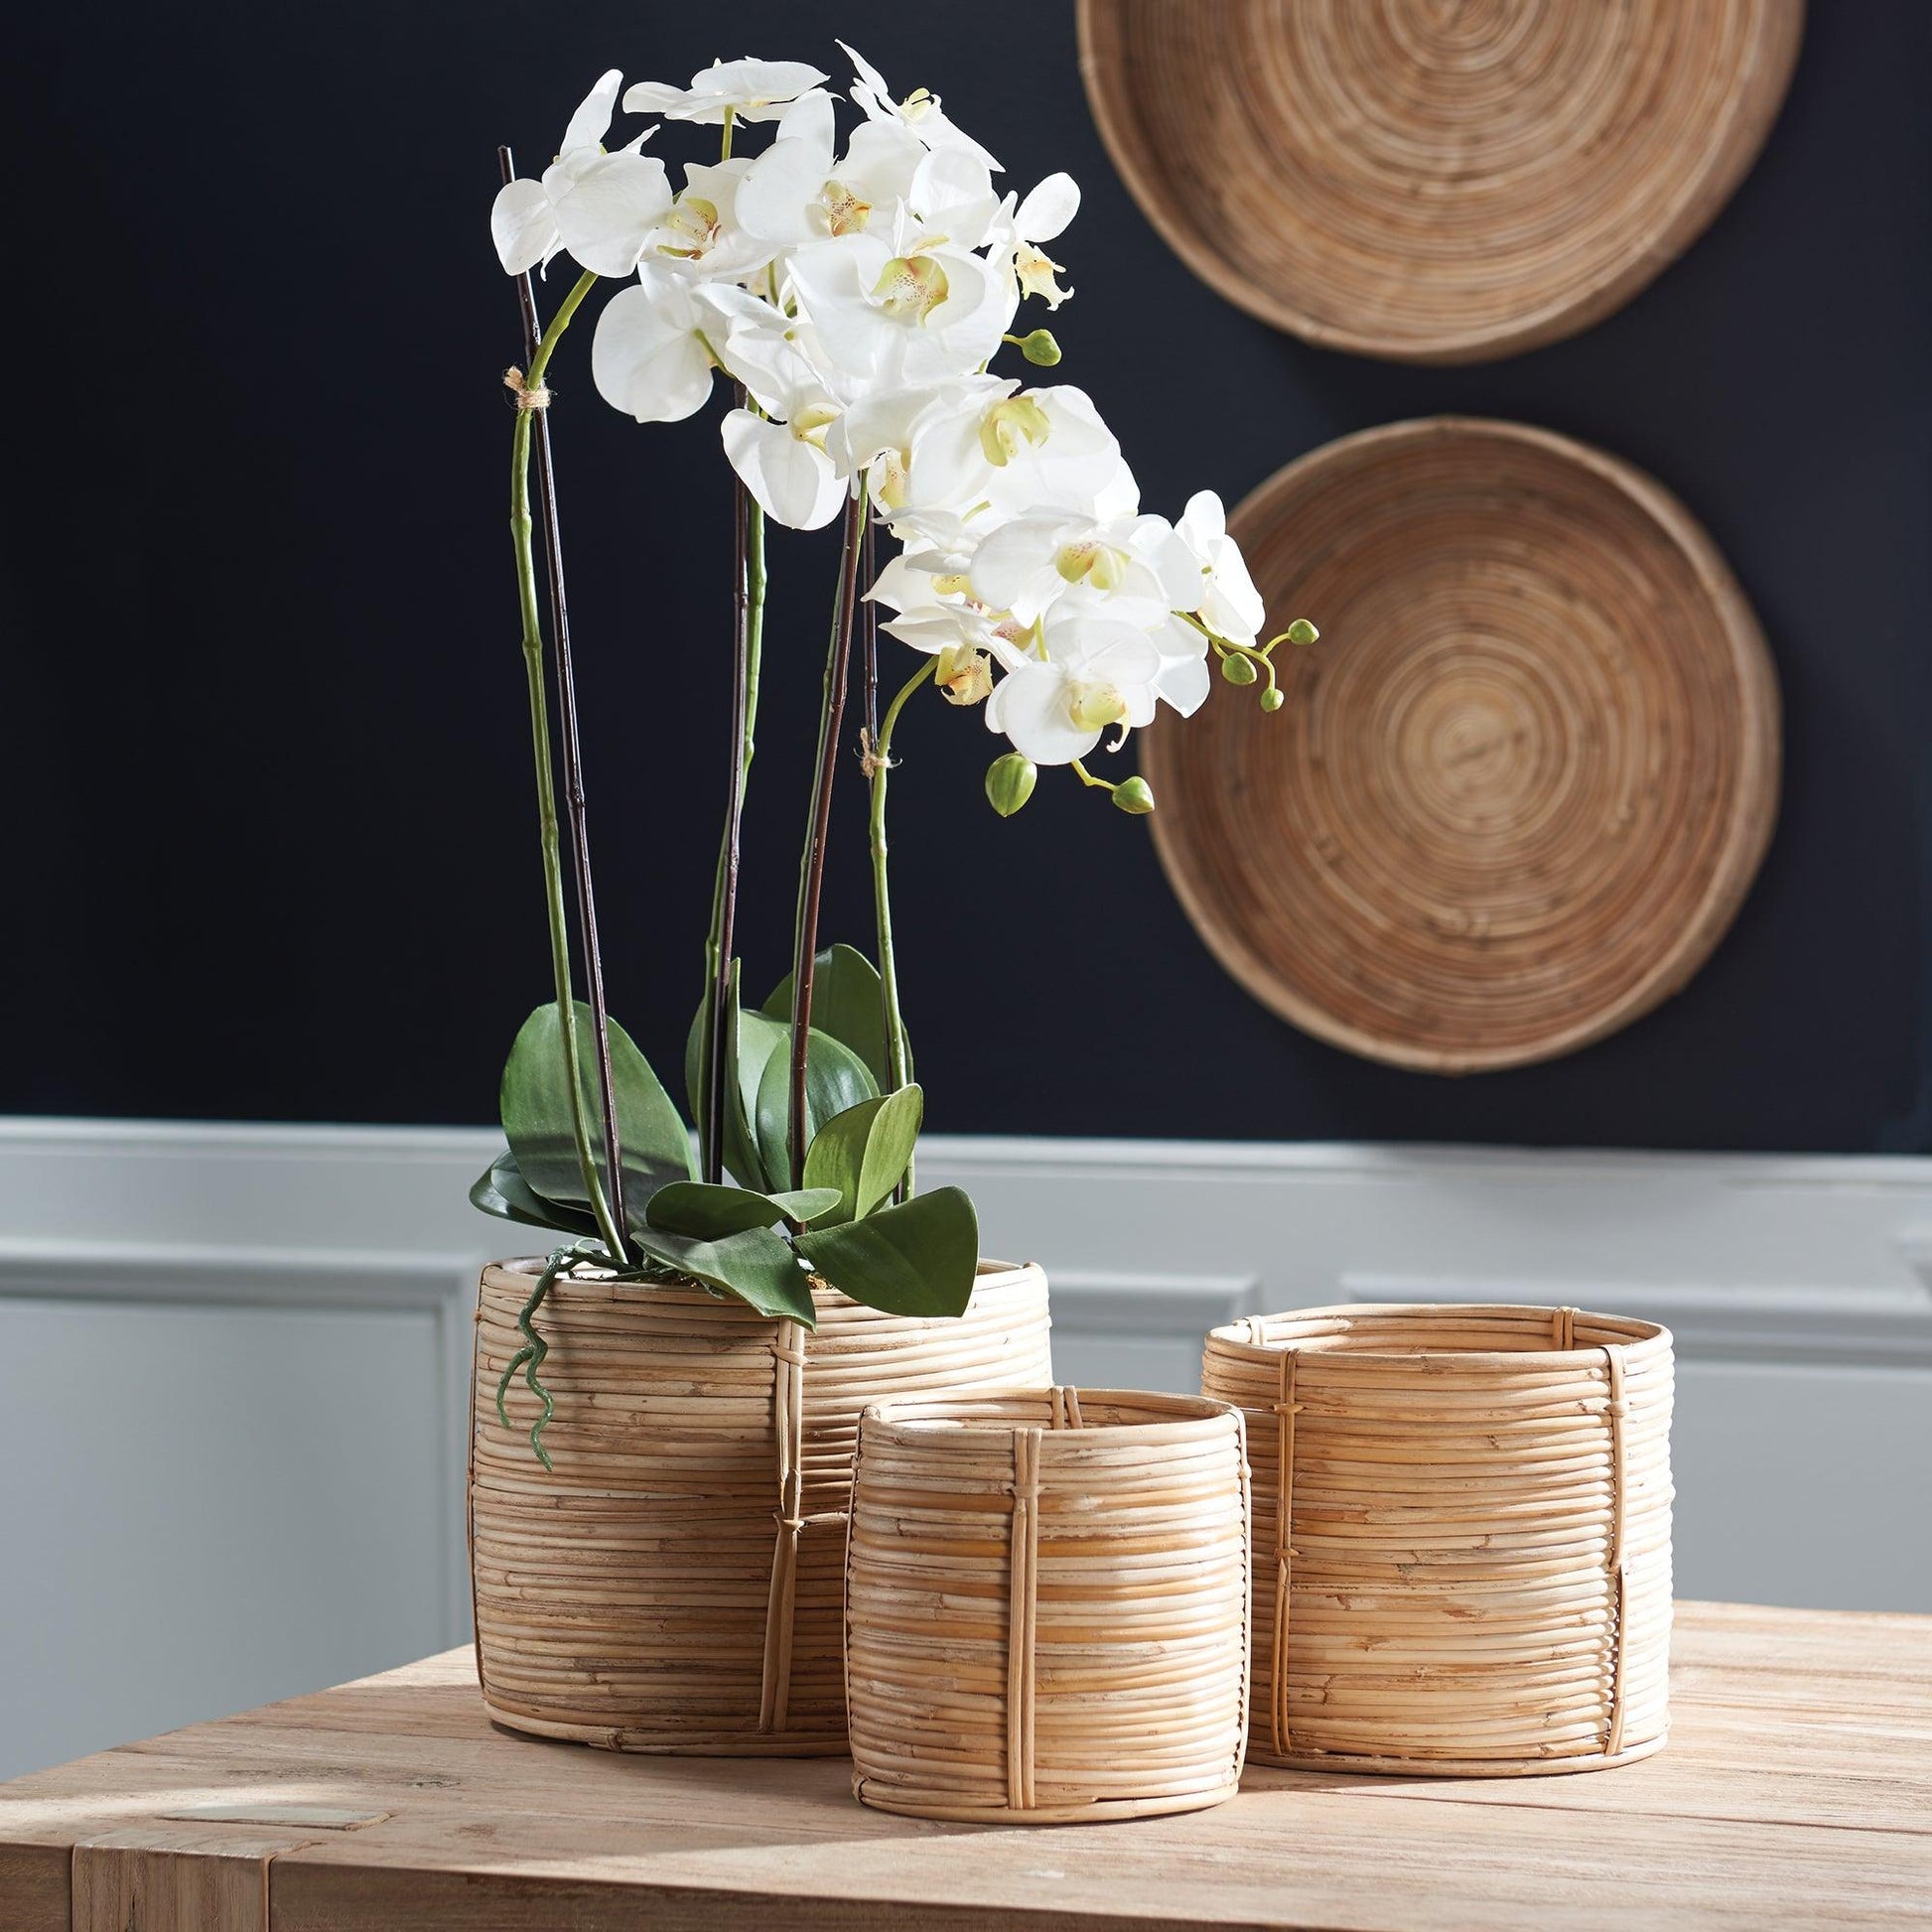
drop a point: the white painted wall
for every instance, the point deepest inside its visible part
(233, 1364)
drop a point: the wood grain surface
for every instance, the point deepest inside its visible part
(1520, 788)
(1796, 1791)
(1428, 181)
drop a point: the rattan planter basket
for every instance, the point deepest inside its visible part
(674, 1585)
(1461, 1536)
(1047, 1606)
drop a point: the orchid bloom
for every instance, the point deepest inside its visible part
(702, 228)
(799, 191)
(1229, 605)
(652, 355)
(1030, 564)
(1043, 214)
(898, 311)
(781, 453)
(747, 90)
(919, 110)
(600, 206)
(1098, 672)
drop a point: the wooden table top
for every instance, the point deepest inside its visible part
(1796, 1790)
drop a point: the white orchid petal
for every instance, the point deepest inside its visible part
(1029, 706)
(605, 214)
(592, 120)
(794, 483)
(1047, 211)
(523, 226)
(646, 359)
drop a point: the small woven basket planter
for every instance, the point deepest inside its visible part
(1461, 1536)
(674, 1582)
(1047, 1606)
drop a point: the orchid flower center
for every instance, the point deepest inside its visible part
(1036, 271)
(809, 424)
(952, 583)
(1092, 562)
(1009, 424)
(1093, 704)
(911, 287)
(693, 221)
(841, 208)
(963, 673)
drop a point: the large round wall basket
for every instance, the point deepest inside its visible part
(1520, 788)
(1434, 180)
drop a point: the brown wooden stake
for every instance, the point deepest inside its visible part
(812, 875)
(553, 560)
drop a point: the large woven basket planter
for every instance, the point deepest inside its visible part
(674, 1582)
(1461, 1536)
(1047, 1606)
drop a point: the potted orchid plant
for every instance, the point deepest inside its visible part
(852, 300)
(718, 1316)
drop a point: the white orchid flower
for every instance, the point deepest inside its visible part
(798, 190)
(1018, 453)
(655, 344)
(1229, 605)
(934, 616)
(886, 424)
(889, 314)
(1030, 564)
(702, 228)
(781, 454)
(748, 90)
(600, 206)
(1098, 673)
(919, 110)
(952, 195)
(1043, 214)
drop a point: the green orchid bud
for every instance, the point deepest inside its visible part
(1010, 783)
(1238, 669)
(1272, 699)
(1039, 348)
(1301, 632)
(1133, 795)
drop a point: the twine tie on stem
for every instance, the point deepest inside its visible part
(528, 395)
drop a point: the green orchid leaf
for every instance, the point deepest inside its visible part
(848, 1003)
(505, 1192)
(864, 1151)
(750, 1040)
(535, 1099)
(920, 1257)
(835, 1078)
(709, 1213)
(755, 1265)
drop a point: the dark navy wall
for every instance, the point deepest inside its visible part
(270, 850)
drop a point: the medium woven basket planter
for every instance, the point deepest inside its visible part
(1461, 1536)
(1047, 1606)
(674, 1582)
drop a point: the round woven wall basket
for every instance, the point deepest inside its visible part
(1046, 1607)
(1521, 787)
(1461, 1536)
(1432, 183)
(674, 1584)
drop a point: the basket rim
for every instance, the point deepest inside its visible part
(529, 1267)
(1000, 1411)
(1645, 1339)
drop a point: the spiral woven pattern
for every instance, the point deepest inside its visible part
(1519, 789)
(1046, 1607)
(1462, 1536)
(646, 1595)
(1434, 180)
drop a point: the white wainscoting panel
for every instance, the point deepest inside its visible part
(233, 1364)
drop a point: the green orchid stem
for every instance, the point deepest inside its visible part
(748, 597)
(811, 870)
(1086, 777)
(879, 763)
(521, 531)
